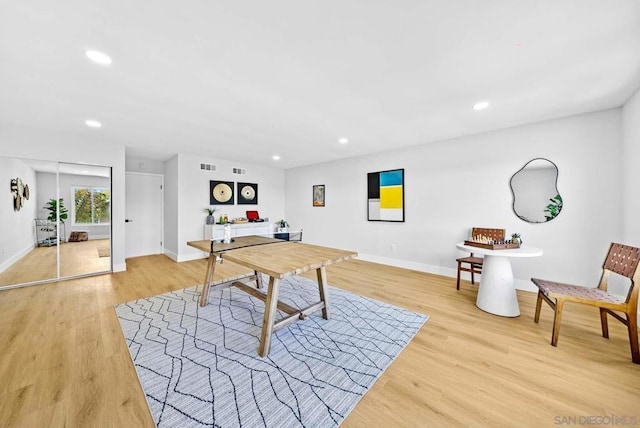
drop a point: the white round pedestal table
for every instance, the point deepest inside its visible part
(497, 291)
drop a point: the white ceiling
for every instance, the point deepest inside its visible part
(245, 80)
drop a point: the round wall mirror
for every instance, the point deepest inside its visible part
(535, 191)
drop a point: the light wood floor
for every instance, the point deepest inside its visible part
(64, 362)
(76, 258)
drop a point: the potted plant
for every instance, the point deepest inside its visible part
(52, 206)
(283, 226)
(210, 218)
(515, 238)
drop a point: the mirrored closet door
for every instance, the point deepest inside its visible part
(56, 223)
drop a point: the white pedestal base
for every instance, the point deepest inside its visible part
(497, 291)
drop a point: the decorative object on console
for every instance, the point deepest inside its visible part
(318, 195)
(385, 200)
(536, 198)
(220, 192)
(283, 226)
(247, 193)
(254, 217)
(210, 218)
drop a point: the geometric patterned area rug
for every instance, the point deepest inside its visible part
(199, 367)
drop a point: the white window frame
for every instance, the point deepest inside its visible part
(73, 206)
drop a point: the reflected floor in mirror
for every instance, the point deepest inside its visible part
(76, 258)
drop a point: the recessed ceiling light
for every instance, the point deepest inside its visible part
(93, 123)
(343, 140)
(481, 105)
(98, 57)
(275, 157)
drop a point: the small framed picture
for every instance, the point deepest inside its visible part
(318, 195)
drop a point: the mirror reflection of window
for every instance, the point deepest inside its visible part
(49, 237)
(536, 198)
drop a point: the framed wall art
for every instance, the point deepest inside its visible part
(247, 193)
(220, 192)
(385, 195)
(318, 195)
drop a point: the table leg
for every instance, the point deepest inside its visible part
(270, 308)
(497, 292)
(324, 292)
(258, 279)
(208, 277)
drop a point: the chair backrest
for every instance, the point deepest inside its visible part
(623, 260)
(494, 234)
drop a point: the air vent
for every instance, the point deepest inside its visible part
(239, 171)
(207, 167)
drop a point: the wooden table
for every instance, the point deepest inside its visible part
(277, 259)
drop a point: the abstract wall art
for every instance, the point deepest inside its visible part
(385, 200)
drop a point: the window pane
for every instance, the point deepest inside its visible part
(101, 203)
(83, 205)
(92, 205)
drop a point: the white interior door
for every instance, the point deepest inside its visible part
(143, 213)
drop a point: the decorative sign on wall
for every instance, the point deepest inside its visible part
(247, 193)
(20, 193)
(318, 195)
(220, 192)
(385, 195)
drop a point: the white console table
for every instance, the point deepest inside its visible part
(216, 231)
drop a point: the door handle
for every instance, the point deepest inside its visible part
(126, 220)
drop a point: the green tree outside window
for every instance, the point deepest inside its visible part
(92, 205)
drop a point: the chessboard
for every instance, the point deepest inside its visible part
(499, 245)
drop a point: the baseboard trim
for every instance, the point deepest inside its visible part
(185, 257)
(120, 267)
(11, 260)
(520, 284)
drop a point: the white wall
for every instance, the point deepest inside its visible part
(171, 218)
(144, 165)
(456, 184)
(187, 189)
(631, 170)
(17, 230)
(88, 146)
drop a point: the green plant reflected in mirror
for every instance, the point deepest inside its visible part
(536, 198)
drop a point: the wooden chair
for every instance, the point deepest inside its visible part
(622, 260)
(471, 263)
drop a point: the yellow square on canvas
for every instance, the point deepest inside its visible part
(391, 197)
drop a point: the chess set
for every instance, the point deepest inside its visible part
(492, 244)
